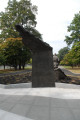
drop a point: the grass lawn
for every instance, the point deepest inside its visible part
(75, 70)
(74, 76)
(12, 70)
(28, 67)
(6, 71)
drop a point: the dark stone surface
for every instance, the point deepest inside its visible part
(42, 59)
(14, 79)
(42, 70)
(35, 44)
(59, 75)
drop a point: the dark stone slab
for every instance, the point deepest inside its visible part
(35, 44)
(59, 75)
(42, 70)
(42, 59)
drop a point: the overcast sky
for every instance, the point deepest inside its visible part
(52, 19)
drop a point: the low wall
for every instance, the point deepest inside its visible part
(13, 79)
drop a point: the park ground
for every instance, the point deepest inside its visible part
(21, 102)
(73, 74)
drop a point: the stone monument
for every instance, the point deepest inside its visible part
(42, 59)
(55, 61)
(58, 73)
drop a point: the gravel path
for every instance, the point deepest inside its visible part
(67, 72)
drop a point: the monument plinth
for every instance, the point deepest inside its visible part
(42, 59)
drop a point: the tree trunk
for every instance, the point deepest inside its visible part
(19, 66)
(15, 67)
(23, 67)
(72, 66)
(4, 67)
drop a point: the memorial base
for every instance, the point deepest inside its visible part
(42, 69)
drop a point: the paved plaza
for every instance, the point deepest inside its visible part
(21, 102)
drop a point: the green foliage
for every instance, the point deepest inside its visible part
(18, 12)
(62, 52)
(74, 29)
(30, 62)
(15, 52)
(73, 56)
(2, 56)
(21, 12)
(2, 59)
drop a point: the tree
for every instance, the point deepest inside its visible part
(73, 56)
(2, 56)
(76, 53)
(62, 52)
(68, 59)
(18, 12)
(15, 52)
(2, 59)
(74, 29)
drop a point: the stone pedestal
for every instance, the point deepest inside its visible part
(42, 69)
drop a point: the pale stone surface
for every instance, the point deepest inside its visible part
(10, 116)
(40, 103)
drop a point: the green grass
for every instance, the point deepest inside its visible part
(6, 71)
(67, 67)
(12, 70)
(73, 76)
(74, 69)
(28, 67)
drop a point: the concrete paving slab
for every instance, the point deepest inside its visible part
(40, 103)
(76, 113)
(10, 116)
(27, 99)
(62, 114)
(58, 103)
(13, 99)
(74, 105)
(66, 86)
(7, 106)
(20, 109)
(39, 113)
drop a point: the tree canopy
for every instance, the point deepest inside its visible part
(14, 53)
(73, 56)
(74, 30)
(62, 52)
(18, 12)
(12, 50)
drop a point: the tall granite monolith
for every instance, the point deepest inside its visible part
(42, 59)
